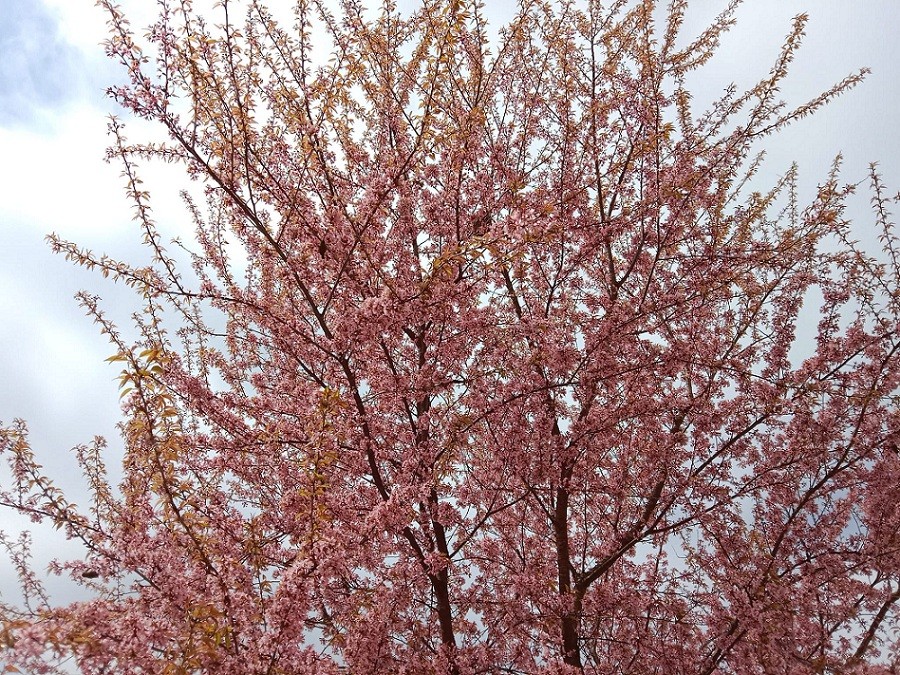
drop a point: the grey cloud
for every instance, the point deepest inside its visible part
(38, 67)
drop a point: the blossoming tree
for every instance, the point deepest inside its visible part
(487, 363)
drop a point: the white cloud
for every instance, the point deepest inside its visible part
(58, 179)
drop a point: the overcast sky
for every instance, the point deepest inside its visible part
(53, 179)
